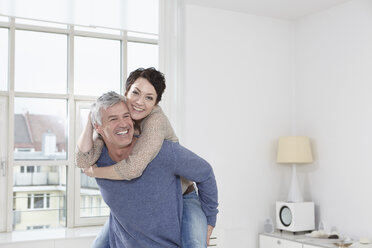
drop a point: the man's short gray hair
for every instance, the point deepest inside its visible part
(103, 102)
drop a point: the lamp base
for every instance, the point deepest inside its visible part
(294, 194)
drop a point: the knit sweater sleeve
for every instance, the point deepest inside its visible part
(86, 159)
(191, 166)
(155, 128)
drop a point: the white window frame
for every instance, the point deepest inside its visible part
(3, 160)
(73, 218)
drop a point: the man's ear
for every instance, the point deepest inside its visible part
(98, 129)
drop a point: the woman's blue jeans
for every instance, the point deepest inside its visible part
(193, 230)
(102, 239)
(194, 223)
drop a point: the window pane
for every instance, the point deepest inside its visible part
(142, 55)
(3, 59)
(91, 203)
(97, 66)
(47, 204)
(29, 199)
(40, 62)
(38, 201)
(40, 129)
(39, 198)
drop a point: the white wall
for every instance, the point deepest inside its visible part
(334, 107)
(237, 80)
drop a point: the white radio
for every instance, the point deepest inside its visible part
(295, 216)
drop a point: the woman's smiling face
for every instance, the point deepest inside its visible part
(141, 98)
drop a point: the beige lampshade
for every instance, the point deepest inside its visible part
(294, 150)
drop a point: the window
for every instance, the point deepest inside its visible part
(142, 55)
(58, 71)
(62, 208)
(90, 201)
(40, 129)
(35, 201)
(39, 196)
(97, 62)
(41, 62)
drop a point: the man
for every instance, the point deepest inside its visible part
(147, 211)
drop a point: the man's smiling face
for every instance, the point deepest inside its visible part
(117, 126)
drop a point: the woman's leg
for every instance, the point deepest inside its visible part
(194, 223)
(102, 239)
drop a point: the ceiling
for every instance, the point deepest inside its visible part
(285, 9)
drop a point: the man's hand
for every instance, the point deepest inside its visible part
(209, 233)
(90, 170)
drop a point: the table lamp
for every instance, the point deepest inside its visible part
(294, 150)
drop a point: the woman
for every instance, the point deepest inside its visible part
(144, 89)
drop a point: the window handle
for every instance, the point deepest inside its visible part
(3, 168)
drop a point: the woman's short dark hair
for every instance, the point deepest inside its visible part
(155, 77)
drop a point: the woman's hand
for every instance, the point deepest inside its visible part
(209, 233)
(90, 170)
